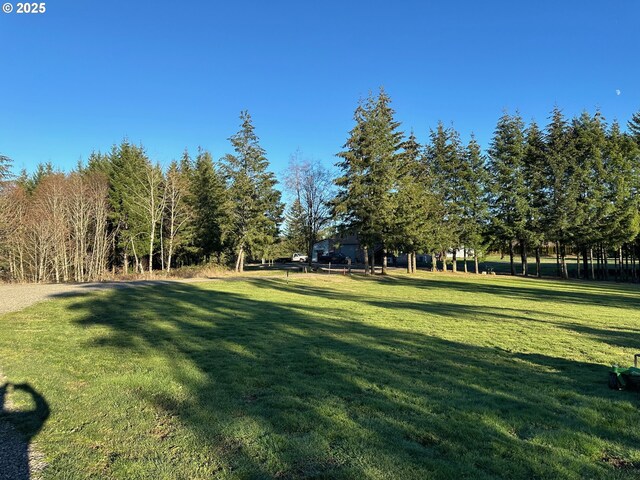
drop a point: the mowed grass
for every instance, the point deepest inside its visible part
(433, 376)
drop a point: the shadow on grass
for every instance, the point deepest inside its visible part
(288, 390)
(574, 292)
(17, 429)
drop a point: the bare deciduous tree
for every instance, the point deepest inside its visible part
(311, 184)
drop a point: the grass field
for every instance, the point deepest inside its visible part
(433, 376)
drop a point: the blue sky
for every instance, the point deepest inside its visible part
(172, 75)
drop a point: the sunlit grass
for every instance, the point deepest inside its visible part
(433, 376)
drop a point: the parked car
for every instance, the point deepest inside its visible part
(333, 257)
(299, 257)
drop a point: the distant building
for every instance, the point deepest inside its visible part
(348, 245)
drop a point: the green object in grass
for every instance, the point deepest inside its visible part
(621, 378)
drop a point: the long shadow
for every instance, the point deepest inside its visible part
(17, 429)
(332, 396)
(579, 293)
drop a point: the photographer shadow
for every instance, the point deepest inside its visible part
(17, 429)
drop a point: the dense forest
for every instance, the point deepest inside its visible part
(569, 187)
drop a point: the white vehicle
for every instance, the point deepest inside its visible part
(298, 257)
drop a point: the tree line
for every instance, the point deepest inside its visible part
(569, 187)
(123, 213)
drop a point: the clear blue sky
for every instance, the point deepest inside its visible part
(176, 74)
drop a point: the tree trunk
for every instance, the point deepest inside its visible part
(414, 262)
(538, 270)
(563, 262)
(513, 268)
(523, 258)
(135, 256)
(627, 271)
(454, 264)
(558, 268)
(585, 262)
(409, 262)
(591, 263)
(620, 265)
(151, 239)
(384, 261)
(475, 260)
(372, 260)
(169, 254)
(444, 261)
(239, 259)
(366, 260)
(464, 258)
(433, 262)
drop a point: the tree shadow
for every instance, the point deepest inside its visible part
(17, 429)
(286, 389)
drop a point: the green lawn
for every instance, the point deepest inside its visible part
(548, 265)
(432, 376)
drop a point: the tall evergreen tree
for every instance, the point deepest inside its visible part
(416, 205)
(384, 141)
(128, 165)
(366, 198)
(473, 203)
(254, 206)
(623, 223)
(443, 162)
(588, 145)
(535, 176)
(508, 201)
(562, 187)
(207, 197)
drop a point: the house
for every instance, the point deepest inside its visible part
(348, 245)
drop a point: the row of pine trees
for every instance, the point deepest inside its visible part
(569, 188)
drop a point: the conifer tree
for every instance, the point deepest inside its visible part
(128, 164)
(349, 207)
(366, 198)
(383, 144)
(440, 160)
(562, 187)
(588, 145)
(623, 223)
(474, 208)
(415, 204)
(535, 176)
(254, 207)
(508, 201)
(207, 198)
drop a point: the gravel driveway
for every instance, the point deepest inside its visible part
(14, 297)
